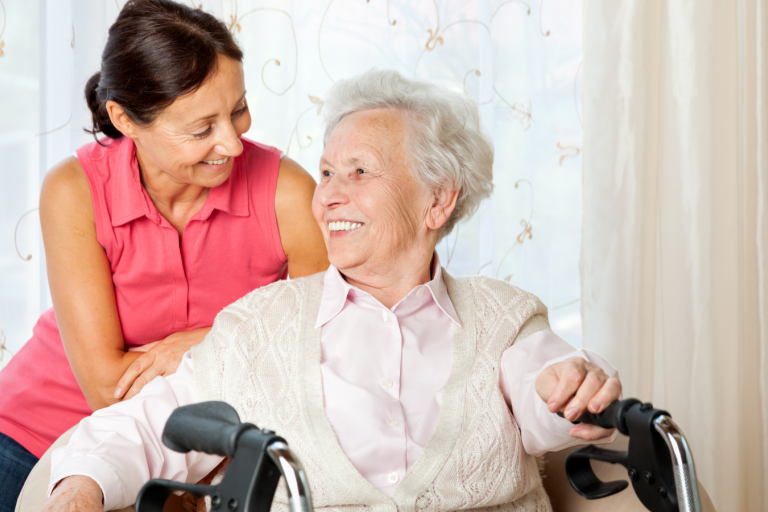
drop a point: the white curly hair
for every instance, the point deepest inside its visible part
(448, 147)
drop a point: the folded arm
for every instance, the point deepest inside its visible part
(80, 278)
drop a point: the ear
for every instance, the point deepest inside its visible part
(442, 207)
(120, 120)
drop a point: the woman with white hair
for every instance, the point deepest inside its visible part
(396, 384)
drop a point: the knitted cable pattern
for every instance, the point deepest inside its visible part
(263, 357)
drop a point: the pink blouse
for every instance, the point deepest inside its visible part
(162, 284)
(383, 374)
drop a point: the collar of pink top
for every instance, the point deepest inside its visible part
(337, 293)
(130, 199)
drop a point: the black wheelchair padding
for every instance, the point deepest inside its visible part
(214, 427)
(647, 459)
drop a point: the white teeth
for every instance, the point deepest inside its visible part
(343, 225)
(216, 162)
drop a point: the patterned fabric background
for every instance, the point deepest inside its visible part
(520, 61)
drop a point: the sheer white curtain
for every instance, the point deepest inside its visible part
(519, 59)
(675, 241)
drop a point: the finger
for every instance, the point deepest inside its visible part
(142, 380)
(546, 383)
(138, 367)
(570, 377)
(143, 348)
(588, 388)
(590, 432)
(610, 391)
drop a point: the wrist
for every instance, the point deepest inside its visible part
(79, 483)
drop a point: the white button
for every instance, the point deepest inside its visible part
(393, 423)
(420, 292)
(393, 478)
(389, 320)
(387, 383)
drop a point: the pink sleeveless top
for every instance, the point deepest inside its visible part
(230, 247)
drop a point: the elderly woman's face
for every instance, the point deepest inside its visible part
(196, 138)
(368, 204)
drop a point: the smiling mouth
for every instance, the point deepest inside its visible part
(216, 162)
(343, 226)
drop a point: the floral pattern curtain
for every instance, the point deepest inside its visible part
(519, 59)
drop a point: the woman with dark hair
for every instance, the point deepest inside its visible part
(152, 230)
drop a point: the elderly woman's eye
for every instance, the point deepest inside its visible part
(325, 174)
(360, 171)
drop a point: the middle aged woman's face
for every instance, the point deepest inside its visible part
(368, 204)
(196, 138)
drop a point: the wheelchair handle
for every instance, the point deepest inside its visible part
(658, 460)
(259, 459)
(209, 427)
(299, 499)
(682, 463)
(612, 417)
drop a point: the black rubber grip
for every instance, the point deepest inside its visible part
(210, 427)
(612, 417)
(605, 419)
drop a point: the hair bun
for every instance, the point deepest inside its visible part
(100, 118)
(156, 52)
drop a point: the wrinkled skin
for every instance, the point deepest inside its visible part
(367, 177)
(75, 494)
(573, 386)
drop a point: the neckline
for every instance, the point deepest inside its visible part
(424, 471)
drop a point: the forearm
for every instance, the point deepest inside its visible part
(99, 380)
(117, 374)
(521, 365)
(120, 447)
(76, 493)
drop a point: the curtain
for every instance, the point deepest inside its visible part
(674, 261)
(520, 60)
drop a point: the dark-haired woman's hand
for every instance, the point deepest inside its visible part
(159, 358)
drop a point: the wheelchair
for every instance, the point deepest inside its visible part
(658, 460)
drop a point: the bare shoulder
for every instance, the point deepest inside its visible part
(300, 235)
(293, 181)
(66, 186)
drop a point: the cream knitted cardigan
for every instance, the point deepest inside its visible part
(263, 357)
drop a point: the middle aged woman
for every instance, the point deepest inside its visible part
(398, 386)
(151, 231)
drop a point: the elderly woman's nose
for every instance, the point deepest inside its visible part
(228, 142)
(333, 193)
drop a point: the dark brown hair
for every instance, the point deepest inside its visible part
(157, 51)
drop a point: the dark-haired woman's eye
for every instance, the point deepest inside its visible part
(203, 134)
(240, 112)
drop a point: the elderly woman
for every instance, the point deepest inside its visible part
(396, 384)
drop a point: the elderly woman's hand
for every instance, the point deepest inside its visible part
(75, 494)
(575, 385)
